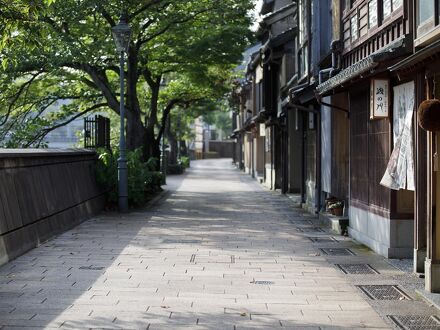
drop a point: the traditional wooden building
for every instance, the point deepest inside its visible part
(375, 35)
(261, 122)
(422, 70)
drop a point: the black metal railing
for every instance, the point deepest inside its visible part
(96, 132)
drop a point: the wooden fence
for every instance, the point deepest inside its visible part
(43, 193)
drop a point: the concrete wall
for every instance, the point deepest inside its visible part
(43, 193)
(392, 238)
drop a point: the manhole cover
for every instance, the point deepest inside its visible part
(322, 239)
(384, 292)
(91, 268)
(263, 282)
(415, 322)
(337, 252)
(310, 229)
(357, 269)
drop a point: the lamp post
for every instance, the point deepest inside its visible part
(121, 35)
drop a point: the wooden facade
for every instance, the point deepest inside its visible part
(312, 107)
(367, 29)
(44, 193)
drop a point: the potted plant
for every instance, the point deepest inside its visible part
(328, 202)
(337, 208)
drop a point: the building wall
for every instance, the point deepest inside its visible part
(374, 218)
(391, 238)
(295, 152)
(259, 156)
(340, 150)
(369, 153)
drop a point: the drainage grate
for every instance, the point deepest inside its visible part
(415, 322)
(323, 239)
(357, 269)
(300, 222)
(182, 241)
(384, 292)
(310, 229)
(337, 252)
(91, 268)
(263, 282)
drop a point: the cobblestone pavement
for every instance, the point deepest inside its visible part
(218, 253)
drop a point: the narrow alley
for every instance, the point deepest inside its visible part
(216, 252)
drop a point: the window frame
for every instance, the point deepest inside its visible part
(302, 53)
(428, 30)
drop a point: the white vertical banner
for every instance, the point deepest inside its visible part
(400, 170)
(326, 145)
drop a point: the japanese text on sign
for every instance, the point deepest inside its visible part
(379, 98)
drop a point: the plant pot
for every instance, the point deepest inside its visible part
(338, 212)
(329, 201)
(331, 211)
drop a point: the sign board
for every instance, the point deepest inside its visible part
(379, 98)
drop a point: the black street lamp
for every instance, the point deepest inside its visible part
(121, 35)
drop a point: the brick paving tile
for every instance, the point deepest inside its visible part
(219, 252)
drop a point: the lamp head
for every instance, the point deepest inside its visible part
(122, 34)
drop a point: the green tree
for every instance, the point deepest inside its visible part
(221, 118)
(181, 52)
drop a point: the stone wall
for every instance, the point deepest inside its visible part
(43, 193)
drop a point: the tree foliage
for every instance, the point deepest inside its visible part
(181, 53)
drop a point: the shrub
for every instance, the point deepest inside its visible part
(142, 179)
(185, 161)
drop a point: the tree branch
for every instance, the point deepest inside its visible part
(170, 25)
(144, 8)
(46, 131)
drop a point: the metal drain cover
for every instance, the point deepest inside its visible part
(415, 322)
(384, 292)
(337, 252)
(300, 222)
(91, 268)
(357, 269)
(181, 241)
(323, 239)
(310, 229)
(263, 282)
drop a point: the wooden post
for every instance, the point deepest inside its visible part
(421, 163)
(432, 263)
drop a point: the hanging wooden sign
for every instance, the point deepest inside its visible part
(379, 98)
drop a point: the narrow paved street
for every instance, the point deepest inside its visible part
(219, 252)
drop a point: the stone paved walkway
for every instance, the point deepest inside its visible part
(219, 253)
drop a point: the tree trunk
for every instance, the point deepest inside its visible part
(151, 147)
(172, 141)
(183, 148)
(135, 133)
